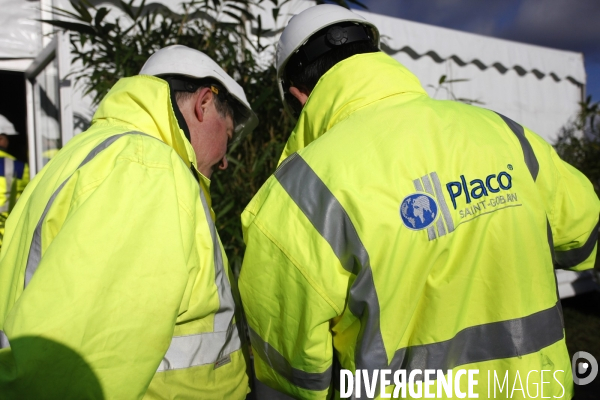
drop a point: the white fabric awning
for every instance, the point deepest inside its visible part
(20, 32)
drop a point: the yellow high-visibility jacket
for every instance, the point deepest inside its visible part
(402, 232)
(14, 176)
(113, 280)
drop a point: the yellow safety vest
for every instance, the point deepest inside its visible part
(406, 233)
(113, 280)
(14, 176)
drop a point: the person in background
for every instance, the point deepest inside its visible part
(14, 174)
(405, 233)
(113, 280)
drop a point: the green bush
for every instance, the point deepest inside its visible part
(112, 48)
(579, 142)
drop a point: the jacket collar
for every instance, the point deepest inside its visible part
(143, 103)
(351, 84)
(4, 154)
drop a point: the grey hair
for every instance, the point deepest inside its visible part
(223, 107)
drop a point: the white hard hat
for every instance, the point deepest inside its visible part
(6, 127)
(302, 26)
(184, 61)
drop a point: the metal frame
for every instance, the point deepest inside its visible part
(58, 48)
(34, 136)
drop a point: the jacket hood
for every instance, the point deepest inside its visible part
(351, 84)
(144, 103)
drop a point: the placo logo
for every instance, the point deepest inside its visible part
(418, 211)
(585, 368)
(478, 188)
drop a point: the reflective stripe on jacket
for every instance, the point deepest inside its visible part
(112, 275)
(408, 233)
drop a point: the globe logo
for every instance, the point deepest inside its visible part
(418, 211)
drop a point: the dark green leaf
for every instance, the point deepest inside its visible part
(82, 8)
(126, 7)
(233, 15)
(70, 26)
(102, 12)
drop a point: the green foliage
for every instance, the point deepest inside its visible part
(111, 44)
(446, 85)
(112, 48)
(579, 142)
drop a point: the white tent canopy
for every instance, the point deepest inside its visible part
(20, 33)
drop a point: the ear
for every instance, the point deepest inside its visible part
(204, 99)
(300, 94)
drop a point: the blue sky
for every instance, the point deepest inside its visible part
(563, 24)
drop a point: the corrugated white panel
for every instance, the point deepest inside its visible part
(542, 105)
(536, 86)
(468, 47)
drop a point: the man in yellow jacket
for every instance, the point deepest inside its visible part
(113, 280)
(405, 236)
(14, 174)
